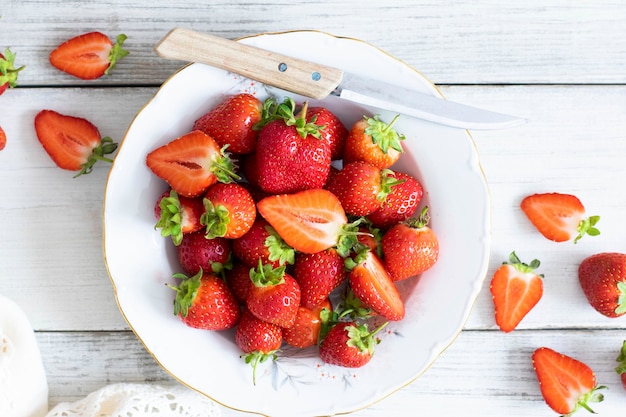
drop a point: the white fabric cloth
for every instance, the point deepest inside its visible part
(139, 400)
(23, 384)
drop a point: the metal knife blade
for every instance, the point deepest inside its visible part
(318, 81)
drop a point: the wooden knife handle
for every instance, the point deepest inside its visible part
(295, 75)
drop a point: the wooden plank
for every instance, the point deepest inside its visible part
(483, 370)
(480, 42)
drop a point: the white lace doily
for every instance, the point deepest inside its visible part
(139, 400)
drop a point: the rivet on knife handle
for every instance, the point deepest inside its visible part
(304, 78)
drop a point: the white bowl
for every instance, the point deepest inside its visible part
(438, 303)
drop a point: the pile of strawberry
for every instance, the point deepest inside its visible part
(276, 240)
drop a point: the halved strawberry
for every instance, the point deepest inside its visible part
(8, 72)
(191, 163)
(372, 284)
(177, 215)
(73, 143)
(515, 289)
(88, 56)
(229, 211)
(559, 217)
(566, 383)
(621, 368)
(231, 123)
(309, 221)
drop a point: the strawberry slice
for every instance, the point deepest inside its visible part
(566, 383)
(191, 163)
(372, 284)
(309, 221)
(559, 217)
(73, 143)
(88, 56)
(515, 289)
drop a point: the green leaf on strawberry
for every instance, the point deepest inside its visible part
(8, 72)
(216, 218)
(383, 134)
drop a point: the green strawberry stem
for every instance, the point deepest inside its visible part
(286, 111)
(621, 300)
(170, 221)
(265, 275)
(185, 292)
(420, 221)
(515, 262)
(383, 134)
(8, 72)
(587, 227)
(223, 167)
(216, 218)
(621, 368)
(361, 338)
(278, 249)
(117, 52)
(388, 181)
(257, 357)
(106, 146)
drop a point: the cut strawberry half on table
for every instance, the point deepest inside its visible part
(191, 163)
(515, 289)
(73, 143)
(88, 56)
(309, 221)
(567, 384)
(559, 217)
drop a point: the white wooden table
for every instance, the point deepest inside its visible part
(559, 63)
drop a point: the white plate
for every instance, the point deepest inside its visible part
(140, 261)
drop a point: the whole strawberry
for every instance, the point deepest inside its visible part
(8, 72)
(258, 339)
(410, 248)
(262, 242)
(318, 274)
(229, 211)
(621, 368)
(602, 278)
(177, 215)
(349, 344)
(88, 56)
(196, 252)
(401, 202)
(361, 187)
(374, 141)
(203, 301)
(306, 329)
(333, 130)
(231, 123)
(275, 295)
(291, 155)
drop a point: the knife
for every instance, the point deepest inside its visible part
(319, 81)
